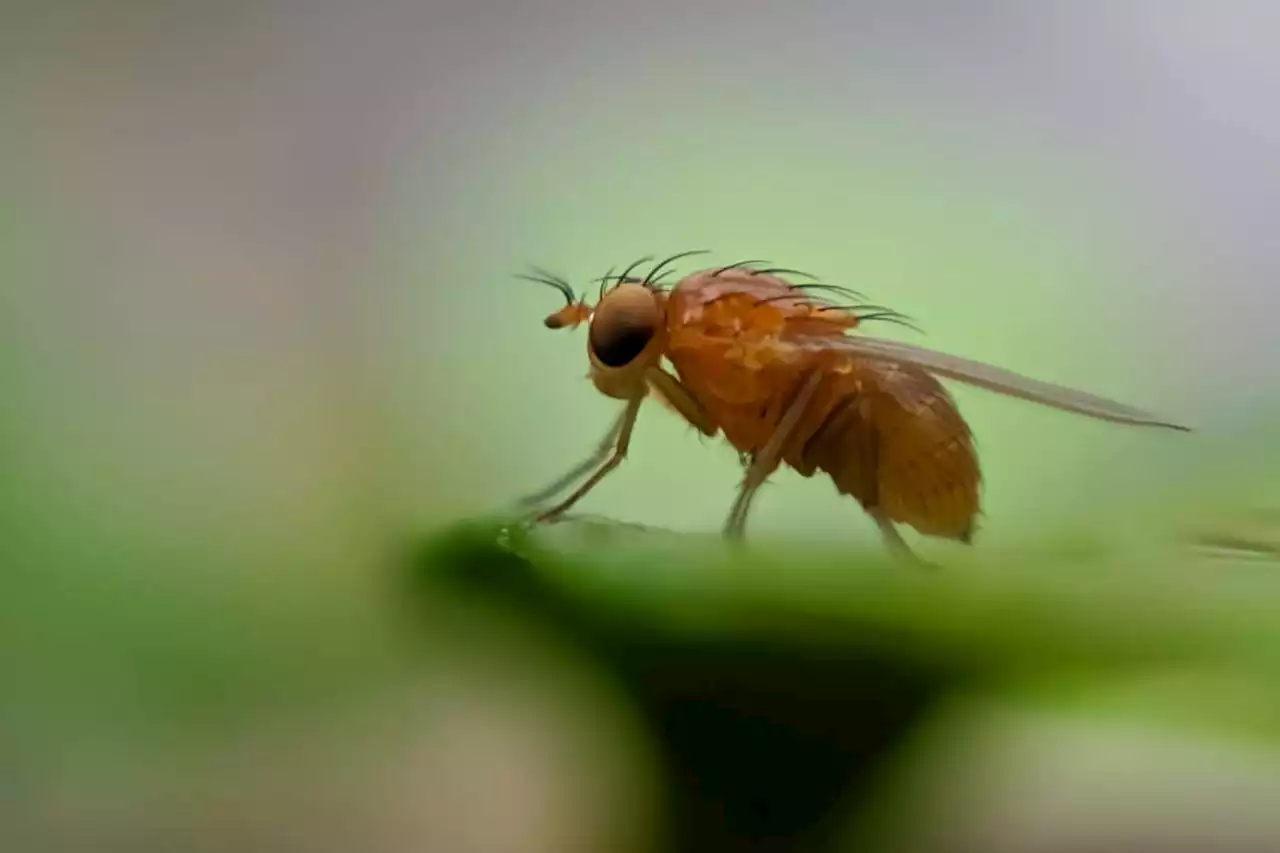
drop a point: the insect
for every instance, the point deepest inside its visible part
(782, 372)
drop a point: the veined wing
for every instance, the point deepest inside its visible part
(986, 376)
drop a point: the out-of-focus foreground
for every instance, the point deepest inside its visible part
(259, 342)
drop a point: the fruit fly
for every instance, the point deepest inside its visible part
(783, 373)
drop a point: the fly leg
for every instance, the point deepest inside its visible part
(668, 389)
(766, 460)
(625, 425)
(598, 456)
(893, 539)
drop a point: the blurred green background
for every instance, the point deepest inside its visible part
(259, 333)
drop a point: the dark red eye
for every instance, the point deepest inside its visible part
(623, 325)
(617, 345)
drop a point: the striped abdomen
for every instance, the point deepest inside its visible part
(889, 436)
(892, 438)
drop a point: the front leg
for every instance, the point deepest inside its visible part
(626, 424)
(601, 452)
(670, 391)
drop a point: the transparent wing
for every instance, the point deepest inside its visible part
(987, 376)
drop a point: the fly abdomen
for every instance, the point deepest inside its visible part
(892, 439)
(844, 447)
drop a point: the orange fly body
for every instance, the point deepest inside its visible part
(771, 366)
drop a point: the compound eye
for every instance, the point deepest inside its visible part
(624, 324)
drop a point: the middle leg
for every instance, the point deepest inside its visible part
(766, 460)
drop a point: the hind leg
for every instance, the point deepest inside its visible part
(893, 539)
